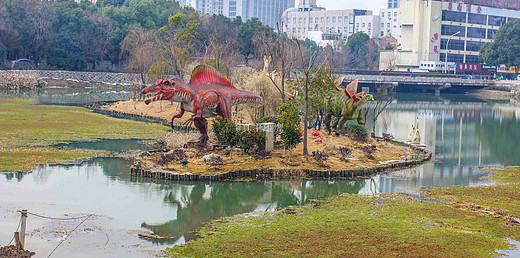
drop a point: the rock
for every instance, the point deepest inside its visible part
(212, 159)
(331, 148)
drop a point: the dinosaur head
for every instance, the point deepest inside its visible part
(367, 97)
(174, 90)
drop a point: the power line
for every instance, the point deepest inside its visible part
(47, 217)
(19, 223)
(87, 217)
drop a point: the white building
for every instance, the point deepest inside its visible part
(389, 23)
(369, 24)
(309, 18)
(427, 25)
(269, 12)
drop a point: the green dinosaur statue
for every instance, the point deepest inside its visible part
(343, 108)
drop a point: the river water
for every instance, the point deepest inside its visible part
(462, 132)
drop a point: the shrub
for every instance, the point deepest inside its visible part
(369, 150)
(251, 141)
(359, 131)
(345, 152)
(176, 155)
(225, 130)
(388, 137)
(320, 157)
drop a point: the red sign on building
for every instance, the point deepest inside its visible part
(467, 67)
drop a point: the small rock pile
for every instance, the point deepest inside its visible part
(12, 252)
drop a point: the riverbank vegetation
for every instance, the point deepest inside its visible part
(28, 131)
(374, 226)
(17, 82)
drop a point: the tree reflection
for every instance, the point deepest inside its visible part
(501, 138)
(198, 204)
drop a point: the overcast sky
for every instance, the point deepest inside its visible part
(351, 4)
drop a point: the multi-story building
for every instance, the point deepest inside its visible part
(309, 19)
(369, 24)
(428, 25)
(393, 4)
(389, 24)
(268, 12)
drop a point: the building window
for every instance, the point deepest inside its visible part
(310, 19)
(457, 58)
(232, 14)
(328, 19)
(477, 18)
(232, 2)
(339, 19)
(345, 29)
(382, 33)
(334, 19)
(388, 25)
(473, 59)
(294, 20)
(382, 25)
(476, 33)
(382, 14)
(345, 18)
(395, 5)
(395, 14)
(357, 25)
(232, 8)
(453, 16)
(300, 20)
(454, 44)
(491, 33)
(321, 19)
(389, 14)
(363, 25)
(451, 29)
(497, 21)
(369, 25)
(473, 45)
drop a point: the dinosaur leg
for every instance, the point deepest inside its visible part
(360, 118)
(181, 113)
(202, 125)
(327, 121)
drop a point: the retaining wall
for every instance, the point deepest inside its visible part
(98, 108)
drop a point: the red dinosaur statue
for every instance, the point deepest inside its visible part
(208, 94)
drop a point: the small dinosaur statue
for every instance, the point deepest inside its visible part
(346, 106)
(208, 94)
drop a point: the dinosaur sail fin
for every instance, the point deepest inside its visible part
(204, 74)
(351, 89)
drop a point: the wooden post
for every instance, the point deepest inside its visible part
(22, 229)
(17, 241)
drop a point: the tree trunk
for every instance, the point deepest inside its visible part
(305, 118)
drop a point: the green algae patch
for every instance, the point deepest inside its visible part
(25, 124)
(21, 159)
(357, 226)
(500, 199)
(28, 130)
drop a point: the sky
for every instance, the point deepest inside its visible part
(351, 4)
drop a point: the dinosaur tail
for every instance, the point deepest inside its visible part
(246, 97)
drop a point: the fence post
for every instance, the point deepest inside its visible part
(22, 229)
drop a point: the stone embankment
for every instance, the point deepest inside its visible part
(84, 77)
(268, 173)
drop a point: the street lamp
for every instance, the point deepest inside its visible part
(446, 57)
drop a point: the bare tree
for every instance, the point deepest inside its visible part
(140, 49)
(43, 17)
(385, 96)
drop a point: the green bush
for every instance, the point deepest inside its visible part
(225, 130)
(359, 131)
(251, 141)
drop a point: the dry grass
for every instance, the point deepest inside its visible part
(359, 160)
